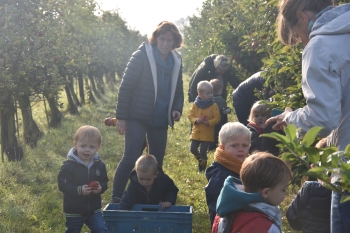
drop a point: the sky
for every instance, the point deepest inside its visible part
(145, 15)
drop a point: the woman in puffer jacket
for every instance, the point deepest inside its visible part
(150, 99)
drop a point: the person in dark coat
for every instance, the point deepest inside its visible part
(243, 96)
(224, 110)
(149, 185)
(82, 179)
(310, 210)
(234, 143)
(150, 99)
(213, 67)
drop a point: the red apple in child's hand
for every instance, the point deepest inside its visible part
(94, 185)
(204, 118)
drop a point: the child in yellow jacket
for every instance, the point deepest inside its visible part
(204, 115)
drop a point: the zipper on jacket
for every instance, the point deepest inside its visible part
(146, 195)
(88, 204)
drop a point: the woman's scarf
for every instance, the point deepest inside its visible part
(164, 72)
(258, 128)
(164, 68)
(227, 160)
(204, 103)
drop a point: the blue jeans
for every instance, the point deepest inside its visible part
(134, 139)
(95, 223)
(340, 215)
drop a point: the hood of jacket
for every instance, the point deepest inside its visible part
(73, 155)
(334, 21)
(230, 192)
(214, 167)
(217, 167)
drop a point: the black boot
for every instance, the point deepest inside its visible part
(202, 165)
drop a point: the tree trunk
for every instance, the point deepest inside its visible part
(56, 115)
(92, 84)
(99, 80)
(81, 87)
(120, 71)
(72, 92)
(91, 97)
(9, 143)
(112, 78)
(71, 106)
(31, 130)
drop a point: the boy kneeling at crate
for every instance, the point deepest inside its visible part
(149, 185)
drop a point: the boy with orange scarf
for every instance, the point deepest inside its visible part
(234, 144)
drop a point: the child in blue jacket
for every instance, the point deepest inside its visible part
(234, 143)
(253, 206)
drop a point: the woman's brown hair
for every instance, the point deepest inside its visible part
(164, 27)
(288, 16)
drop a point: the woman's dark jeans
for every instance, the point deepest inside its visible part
(340, 214)
(134, 139)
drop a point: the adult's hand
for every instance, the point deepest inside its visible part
(279, 119)
(121, 126)
(176, 115)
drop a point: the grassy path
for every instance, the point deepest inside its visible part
(30, 201)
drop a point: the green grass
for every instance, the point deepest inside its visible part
(30, 201)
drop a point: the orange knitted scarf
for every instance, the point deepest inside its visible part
(227, 160)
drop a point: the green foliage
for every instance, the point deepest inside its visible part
(245, 31)
(324, 162)
(226, 27)
(43, 42)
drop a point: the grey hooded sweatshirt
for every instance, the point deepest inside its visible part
(326, 79)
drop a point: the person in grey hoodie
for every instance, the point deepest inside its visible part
(324, 30)
(82, 179)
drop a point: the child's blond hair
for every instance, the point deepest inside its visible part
(233, 129)
(217, 85)
(91, 133)
(259, 107)
(204, 86)
(146, 163)
(263, 170)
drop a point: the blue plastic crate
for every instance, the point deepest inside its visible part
(148, 219)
